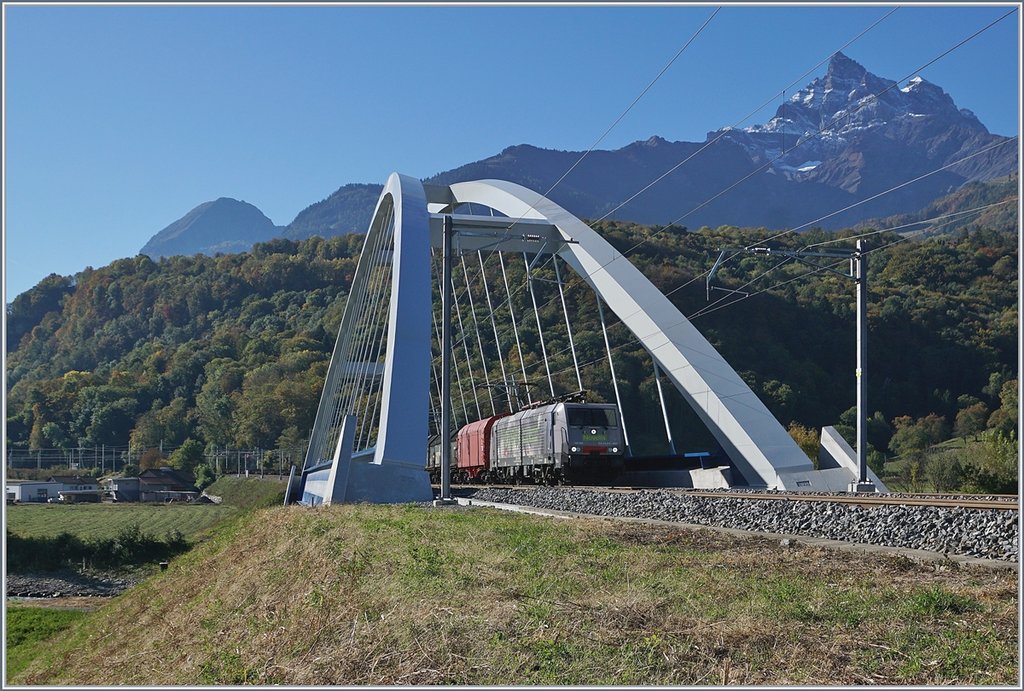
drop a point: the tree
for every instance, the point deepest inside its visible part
(807, 439)
(204, 476)
(187, 456)
(916, 435)
(1004, 419)
(994, 468)
(944, 470)
(971, 420)
(151, 458)
(54, 435)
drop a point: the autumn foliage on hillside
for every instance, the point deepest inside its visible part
(233, 350)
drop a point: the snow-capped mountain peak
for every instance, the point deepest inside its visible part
(826, 116)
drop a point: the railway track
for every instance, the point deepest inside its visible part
(996, 502)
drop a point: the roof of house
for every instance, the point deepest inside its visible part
(73, 480)
(167, 477)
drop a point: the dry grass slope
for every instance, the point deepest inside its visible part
(416, 595)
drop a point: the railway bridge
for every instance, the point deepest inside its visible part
(381, 400)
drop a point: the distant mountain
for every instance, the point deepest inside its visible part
(346, 211)
(224, 225)
(839, 141)
(996, 201)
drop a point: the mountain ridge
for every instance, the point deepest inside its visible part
(837, 143)
(222, 225)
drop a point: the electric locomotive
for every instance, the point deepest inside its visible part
(572, 442)
(551, 443)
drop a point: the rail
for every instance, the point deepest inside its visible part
(1000, 502)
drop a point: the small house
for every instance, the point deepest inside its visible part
(31, 491)
(155, 484)
(167, 484)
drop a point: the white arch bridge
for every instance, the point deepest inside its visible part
(381, 397)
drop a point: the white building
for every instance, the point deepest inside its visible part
(29, 491)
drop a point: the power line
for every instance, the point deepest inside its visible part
(712, 308)
(803, 140)
(864, 102)
(613, 124)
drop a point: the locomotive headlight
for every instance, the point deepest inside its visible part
(615, 449)
(593, 431)
(575, 449)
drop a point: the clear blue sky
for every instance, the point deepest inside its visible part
(119, 120)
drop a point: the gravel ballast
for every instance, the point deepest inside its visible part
(979, 533)
(67, 584)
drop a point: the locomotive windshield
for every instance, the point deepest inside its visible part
(592, 417)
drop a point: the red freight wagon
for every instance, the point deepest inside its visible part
(474, 450)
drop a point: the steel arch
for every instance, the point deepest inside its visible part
(755, 442)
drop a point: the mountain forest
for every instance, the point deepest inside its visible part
(232, 350)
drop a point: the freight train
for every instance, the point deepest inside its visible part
(553, 443)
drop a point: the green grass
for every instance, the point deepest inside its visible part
(409, 595)
(107, 520)
(28, 628)
(249, 492)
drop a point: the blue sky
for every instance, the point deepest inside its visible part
(119, 120)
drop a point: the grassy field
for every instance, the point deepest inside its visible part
(107, 520)
(402, 595)
(30, 627)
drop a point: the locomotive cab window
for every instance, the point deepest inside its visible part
(592, 417)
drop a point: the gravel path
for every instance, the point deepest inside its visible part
(981, 533)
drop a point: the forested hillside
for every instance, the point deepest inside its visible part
(232, 350)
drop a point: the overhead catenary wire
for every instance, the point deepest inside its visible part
(725, 131)
(803, 140)
(777, 235)
(618, 119)
(708, 309)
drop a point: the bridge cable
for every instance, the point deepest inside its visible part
(568, 326)
(804, 139)
(465, 348)
(360, 330)
(375, 392)
(515, 330)
(455, 361)
(494, 327)
(708, 144)
(615, 381)
(476, 328)
(540, 329)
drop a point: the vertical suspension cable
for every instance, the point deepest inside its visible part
(455, 360)
(615, 382)
(376, 381)
(435, 409)
(494, 327)
(476, 328)
(664, 410)
(374, 391)
(364, 321)
(367, 372)
(360, 327)
(515, 329)
(465, 348)
(568, 327)
(540, 330)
